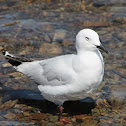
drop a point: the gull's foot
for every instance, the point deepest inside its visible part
(65, 121)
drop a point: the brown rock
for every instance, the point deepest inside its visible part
(95, 112)
(124, 55)
(43, 122)
(0, 46)
(112, 45)
(47, 39)
(46, 26)
(82, 118)
(89, 123)
(26, 50)
(121, 44)
(38, 116)
(6, 65)
(58, 123)
(15, 74)
(12, 24)
(18, 106)
(67, 42)
(50, 124)
(26, 114)
(10, 115)
(1, 40)
(73, 120)
(59, 34)
(53, 118)
(8, 104)
(69, 124)
(50, 49)
(91, 23)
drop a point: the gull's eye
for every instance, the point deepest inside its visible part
(87, 38)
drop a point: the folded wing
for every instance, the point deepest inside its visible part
(54, 71)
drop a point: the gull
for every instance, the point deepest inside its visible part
(66, 77)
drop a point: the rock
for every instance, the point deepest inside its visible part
(38, 116)
(98, 4)
(116, 98)
(89, 123)
(121, 72)
(69, 125)
(8, 105)
(117, 124)
(117, 20)
(11, 24)
(108, 38)
(43, 122)
(26, 50)
(95, 112)
(45, 26)
(30, 24)
(101, 86)
(94, 24)
(47, 39)
(112, 45)
(118, 9)
(15, 74)
(1, 40)
(68, 42)
(121, 44)
(6, 65)
(26, 114)
(10, 115)
(82, 118)
(53, 118)
(73, 120)
(122, 35)
(106, 88)
(50, 124)
(50, 49)
(124, 55)
(58, 123)
(59, 35)
(18, 106)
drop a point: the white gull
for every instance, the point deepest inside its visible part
(67, 77)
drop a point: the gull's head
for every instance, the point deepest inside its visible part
(88, 39)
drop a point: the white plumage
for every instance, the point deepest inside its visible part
(69, 77)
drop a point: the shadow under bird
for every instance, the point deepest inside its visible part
(66, 77)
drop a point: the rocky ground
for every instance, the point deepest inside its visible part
(41, 29)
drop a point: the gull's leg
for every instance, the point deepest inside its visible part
(64, 121)
(61, 110)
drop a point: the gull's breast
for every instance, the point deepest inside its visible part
(89, 68)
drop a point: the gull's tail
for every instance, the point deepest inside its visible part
(14, 60)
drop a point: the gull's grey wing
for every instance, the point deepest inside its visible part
(58, 70)
(53, 71)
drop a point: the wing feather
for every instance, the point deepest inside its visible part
(54, 71)
(59, 68)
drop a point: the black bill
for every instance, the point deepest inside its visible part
(103, 49)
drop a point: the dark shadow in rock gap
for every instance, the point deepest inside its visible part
(83, 106)
(35, 99)
(71, 107)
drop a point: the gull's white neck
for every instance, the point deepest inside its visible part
(86, 51)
